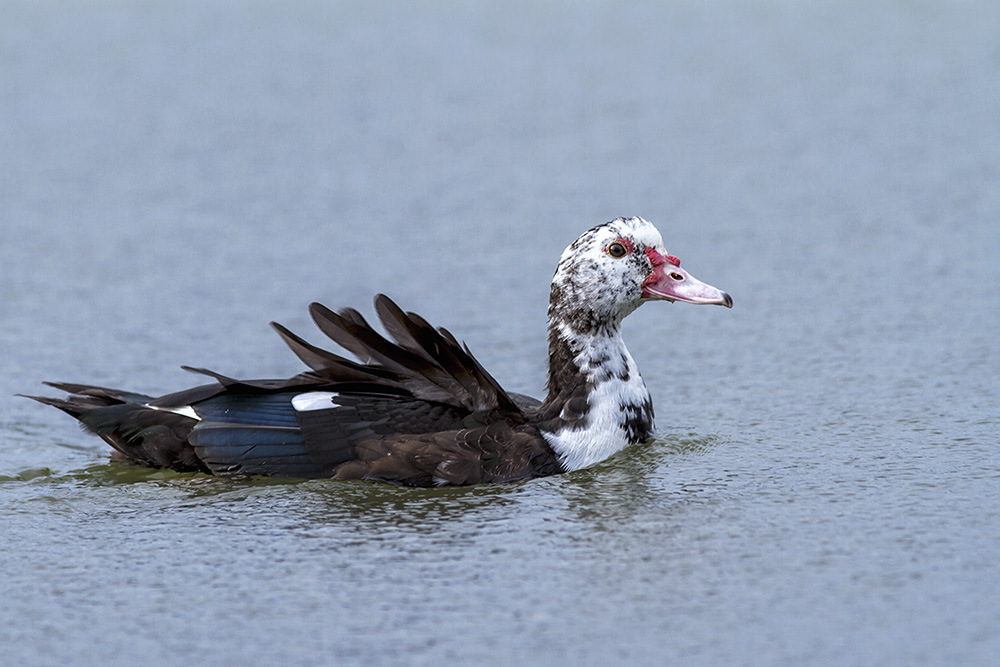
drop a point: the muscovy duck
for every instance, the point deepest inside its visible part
(419, 409)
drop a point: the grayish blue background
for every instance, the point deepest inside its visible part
(825, 486)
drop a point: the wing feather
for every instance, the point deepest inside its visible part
(429, 363)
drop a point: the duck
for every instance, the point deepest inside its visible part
(415, 407)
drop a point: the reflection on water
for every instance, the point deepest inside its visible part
(625, 484)
(637, 483)
(27, 475)
(619, 496)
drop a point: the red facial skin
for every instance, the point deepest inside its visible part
(670, 282)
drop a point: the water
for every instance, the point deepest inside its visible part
(824, 487)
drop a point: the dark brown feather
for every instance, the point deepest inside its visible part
(418, 410)
(488, 454)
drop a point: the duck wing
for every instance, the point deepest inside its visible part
(415, 409)
(427, 362)
(415, 398)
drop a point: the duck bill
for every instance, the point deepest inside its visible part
(669, 282)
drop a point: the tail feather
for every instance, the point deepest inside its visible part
(84, 398)
(113, 395)
(73, 406)
(138, 433)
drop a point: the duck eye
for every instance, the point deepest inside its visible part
(617, 250)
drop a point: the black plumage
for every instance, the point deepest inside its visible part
(421, 412)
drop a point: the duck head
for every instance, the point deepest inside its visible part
(612, 269)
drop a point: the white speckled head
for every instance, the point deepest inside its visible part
(600, 276)
(612, 269)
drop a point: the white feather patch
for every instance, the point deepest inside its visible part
(315, 400)
(604, 433)
(183, 410)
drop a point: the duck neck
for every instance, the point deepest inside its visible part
(584, 358)
(597, 402)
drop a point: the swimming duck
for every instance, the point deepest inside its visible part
(418, 409)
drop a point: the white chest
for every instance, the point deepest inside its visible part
(613, 403)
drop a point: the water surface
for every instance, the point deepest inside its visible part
(824, 484)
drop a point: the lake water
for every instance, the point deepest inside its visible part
(825, 484)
